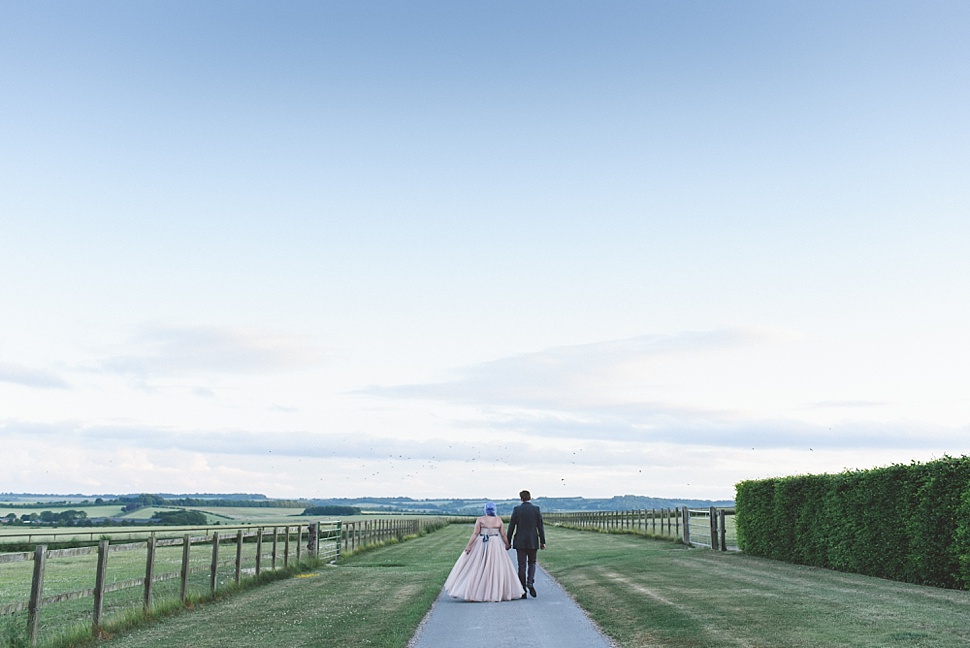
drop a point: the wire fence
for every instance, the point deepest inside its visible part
(710, 527)
(57, 591)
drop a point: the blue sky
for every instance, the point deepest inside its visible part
(319, 249)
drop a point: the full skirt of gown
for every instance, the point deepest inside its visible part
(486, 573)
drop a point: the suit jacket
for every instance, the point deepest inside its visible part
(525, 527)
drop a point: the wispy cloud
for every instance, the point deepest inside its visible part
(584, 392)
(847, 404)
(302, 444)
(206, 350)
(565, 374)
(523, 447)
(38, 378)
(625, 425)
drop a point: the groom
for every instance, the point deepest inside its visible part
(528, 536)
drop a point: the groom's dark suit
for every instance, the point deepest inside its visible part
(527, 535)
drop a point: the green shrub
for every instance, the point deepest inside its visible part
(903, 522)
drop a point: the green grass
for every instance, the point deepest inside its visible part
(75, 573)
(373, 598)
(646, 592)
(643, 592)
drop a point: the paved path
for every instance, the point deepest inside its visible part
(550, 620)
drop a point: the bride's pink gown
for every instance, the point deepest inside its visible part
(486, 573)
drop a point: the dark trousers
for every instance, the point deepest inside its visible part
(527, 565)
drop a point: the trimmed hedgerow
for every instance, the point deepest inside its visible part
(909, 523)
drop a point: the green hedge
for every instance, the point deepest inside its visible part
(908, 523)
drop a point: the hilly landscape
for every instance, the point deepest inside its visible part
(442, 506)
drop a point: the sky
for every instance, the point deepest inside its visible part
(455, 249)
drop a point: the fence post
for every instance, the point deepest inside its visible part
(713, 521)
(311, 539)
(150, 572)
(723, 516)
(186, 543)
(299, 541)
(214, 569)
(286, 546)
(36, 593)
(99, 578)
(239, 542)
(276, 537)
(686, 514)
(259, 550)
(337, 557)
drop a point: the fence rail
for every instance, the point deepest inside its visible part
(174, 564)
(361, 533)
(713, 527)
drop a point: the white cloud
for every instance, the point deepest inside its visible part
(72, 457)
(665, 389)
(509, 449)
(25, 377)
(163, 351)
(570, 373)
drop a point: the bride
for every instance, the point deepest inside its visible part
(484, 571)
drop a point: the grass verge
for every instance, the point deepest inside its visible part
(647, 593)
(373, 598)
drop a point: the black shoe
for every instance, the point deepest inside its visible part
(524, 595)
(532, 590)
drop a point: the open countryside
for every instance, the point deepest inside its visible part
(640, 591)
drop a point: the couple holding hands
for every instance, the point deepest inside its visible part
(484, 571)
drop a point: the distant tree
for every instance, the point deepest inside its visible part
(182, 518)
(71, 516)
(332, 510)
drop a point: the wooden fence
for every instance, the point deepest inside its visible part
(253, 551)
(713, 527)
(361, 533)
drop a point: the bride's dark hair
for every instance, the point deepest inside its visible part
(490, 508)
